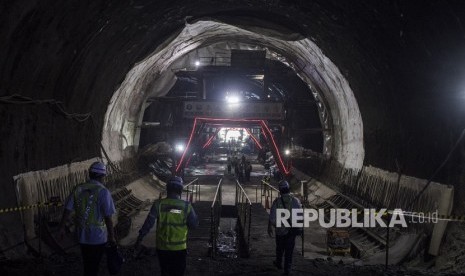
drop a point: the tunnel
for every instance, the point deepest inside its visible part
(357, 104)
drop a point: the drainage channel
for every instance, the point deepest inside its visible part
(230, 224)
(230, 241)
(227, 241)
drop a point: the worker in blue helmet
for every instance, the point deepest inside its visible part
(174, 218)
(93, 208)
(285, 236)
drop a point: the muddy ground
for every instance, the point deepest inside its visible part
(146, 263)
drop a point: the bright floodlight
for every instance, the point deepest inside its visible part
(233, 134)
(179, 147)
(287, 152)
(232, 99)
(197, 63)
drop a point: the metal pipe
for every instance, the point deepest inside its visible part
(387, 247)
(256, 194)
(215, 212)
(242, 209)
(212, 253)
(250, 223)
(199, 189)
(303, 234)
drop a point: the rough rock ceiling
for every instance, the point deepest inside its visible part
(403, 61)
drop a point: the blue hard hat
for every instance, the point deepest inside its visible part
(283, 185)
(98, 168)
(175, 181)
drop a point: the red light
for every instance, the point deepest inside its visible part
(262, 124)
(281, 163)
(188, 145)
(253, 138)
(188, 160)
(208, 142)
(210, 139)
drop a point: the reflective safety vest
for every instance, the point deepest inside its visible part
(172, 224)
(86, 206)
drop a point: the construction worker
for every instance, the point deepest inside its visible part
(229, 163)
(174, 217)
(285, 236)
(93, 207)
(247, 170)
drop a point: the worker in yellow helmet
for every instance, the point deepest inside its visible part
(174, 217)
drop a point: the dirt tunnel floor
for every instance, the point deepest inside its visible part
(147, 264)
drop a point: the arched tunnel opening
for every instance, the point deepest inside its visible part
(327, 85)
(357, 106)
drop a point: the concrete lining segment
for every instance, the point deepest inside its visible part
(304, 56)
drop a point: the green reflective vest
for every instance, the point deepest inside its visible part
(86, 206)
(172, 224)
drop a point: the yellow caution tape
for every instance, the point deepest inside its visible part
(38, 205)
(430, 215)
(451, 218)
(425, 215)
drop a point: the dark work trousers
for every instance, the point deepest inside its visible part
(172, 263)
(285, 245)
(91, 257)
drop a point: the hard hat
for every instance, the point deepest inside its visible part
(98, 168)
(175, 181)
(283, 185)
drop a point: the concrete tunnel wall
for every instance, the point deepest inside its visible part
(402, 60)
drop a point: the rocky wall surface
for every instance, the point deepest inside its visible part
(403, 61)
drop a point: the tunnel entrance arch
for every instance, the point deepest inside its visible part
(146, 79)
